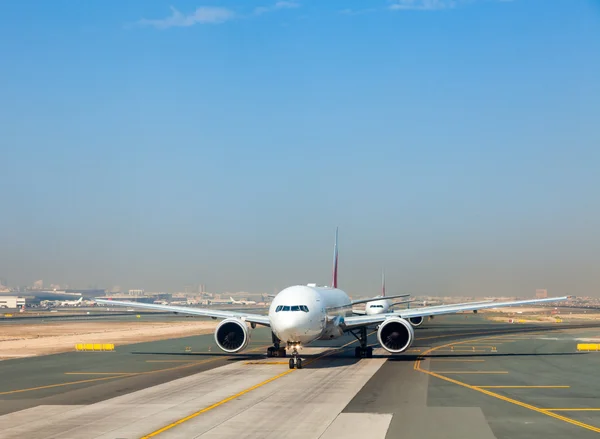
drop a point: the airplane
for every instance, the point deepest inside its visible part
(242, 302)
(301, 314)
(50, 303)
(383, 305)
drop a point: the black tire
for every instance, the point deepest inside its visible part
(299, 363)
(292, 363)
(369, 352)
(269, 352)
(282, 352)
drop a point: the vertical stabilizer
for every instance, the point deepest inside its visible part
(334, 282)
(382, 283)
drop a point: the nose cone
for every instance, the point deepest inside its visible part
(294, 327)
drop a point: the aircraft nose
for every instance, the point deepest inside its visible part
(292, 327)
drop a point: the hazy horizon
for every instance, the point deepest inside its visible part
(455, 143)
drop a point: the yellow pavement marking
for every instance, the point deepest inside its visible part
(463, 350)
(71, 383)
(172, 361)
(265, 362)
(574, 410)
(457, 361)
(523, 387)
(204, 410)
(101, 373)
(243, 392)
(547, 412)
(445, 372)
(91, 380)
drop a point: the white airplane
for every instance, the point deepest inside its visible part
(301, 314)
(383, 305)
(242, 302)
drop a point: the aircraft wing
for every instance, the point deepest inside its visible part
(214, 313)
(373, 299)
(358, 321)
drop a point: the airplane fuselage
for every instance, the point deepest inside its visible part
(301, 314)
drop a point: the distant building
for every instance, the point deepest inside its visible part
(136, 292)
(12, 302)
(541, 294)
(38, 285)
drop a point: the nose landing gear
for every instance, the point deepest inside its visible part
(295, 361)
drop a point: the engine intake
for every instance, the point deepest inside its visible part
(232, 335)
(416, 321)
(395, 335)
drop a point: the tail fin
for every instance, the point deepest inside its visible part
(80, 299)
(382, 283)
(334, 282)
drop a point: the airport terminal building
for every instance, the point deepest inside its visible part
(12, 302)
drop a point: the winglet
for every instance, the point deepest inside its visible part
(382, 283)
(334, 282)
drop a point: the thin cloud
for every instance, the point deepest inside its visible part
(277, 6)
(422, 5)
(202, 15)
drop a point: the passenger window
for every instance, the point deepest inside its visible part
(295, 308)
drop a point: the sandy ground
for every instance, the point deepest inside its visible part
(24, 340)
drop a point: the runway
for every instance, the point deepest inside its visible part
(462, 379)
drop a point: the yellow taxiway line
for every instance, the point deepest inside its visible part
(547, 412)
(523, 387)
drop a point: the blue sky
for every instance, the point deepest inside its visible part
(154, 145)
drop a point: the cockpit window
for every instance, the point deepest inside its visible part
(292, 308)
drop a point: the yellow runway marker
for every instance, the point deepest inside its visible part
(172, 361)
(102, 373)
(71, 383)
(91, 380)
(266, 362)
(574, 410)
(523, 387)
(445, 372)
(547, 412)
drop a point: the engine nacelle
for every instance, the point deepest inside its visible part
(416, 321)
(395, 335)
(232, 335)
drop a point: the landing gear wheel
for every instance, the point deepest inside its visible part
(299, 363)
(369, 352)
(270, 352)
(292, 365)
(282, 353)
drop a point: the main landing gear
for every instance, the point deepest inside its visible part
(276, 350)
(362, 351)
(295, 361)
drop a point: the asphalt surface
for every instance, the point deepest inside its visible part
(440, 388)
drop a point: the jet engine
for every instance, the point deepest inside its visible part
(395, 335)
(416, 321)
(232, 335)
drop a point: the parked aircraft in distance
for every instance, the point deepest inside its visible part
(242, 302)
